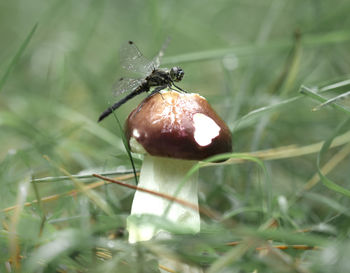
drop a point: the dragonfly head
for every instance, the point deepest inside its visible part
(176, 73)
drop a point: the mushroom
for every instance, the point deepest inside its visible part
(174, 130)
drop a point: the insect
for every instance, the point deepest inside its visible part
(133, 60)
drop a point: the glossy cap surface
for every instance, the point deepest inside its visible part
(178, 125)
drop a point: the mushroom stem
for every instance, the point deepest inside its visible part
(163, 175)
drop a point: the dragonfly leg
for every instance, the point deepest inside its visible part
(179, 88)
(155, 91)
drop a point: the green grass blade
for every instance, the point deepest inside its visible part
(266, 203)
(247, 119)
(335, 85)
(126, 146)
(333, 100)
(315, 96)
(249, 49)
(326, 181)
(17, 56)
(76, 176)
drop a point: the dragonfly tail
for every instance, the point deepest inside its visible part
(115, 106)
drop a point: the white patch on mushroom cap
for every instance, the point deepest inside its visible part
(205, 129)
(135, 133)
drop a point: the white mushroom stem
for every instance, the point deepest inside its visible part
(163, 175)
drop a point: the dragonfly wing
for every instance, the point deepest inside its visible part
(133, 60)
(158, 57)
(126, 84)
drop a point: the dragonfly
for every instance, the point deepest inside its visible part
(133, 60)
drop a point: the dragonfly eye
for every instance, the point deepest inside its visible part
(176, 73)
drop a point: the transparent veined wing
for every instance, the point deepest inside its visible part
(126, 85)
(133, 60)
(158, 57)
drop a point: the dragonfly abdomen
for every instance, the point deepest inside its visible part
(142, 88)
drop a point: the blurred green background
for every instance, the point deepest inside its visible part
(58, 63)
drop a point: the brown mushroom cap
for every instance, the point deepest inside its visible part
(178, 125)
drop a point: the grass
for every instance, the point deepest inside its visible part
(274, 70)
